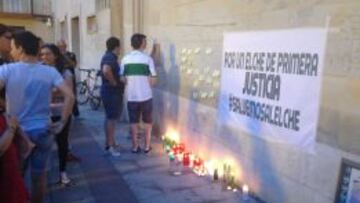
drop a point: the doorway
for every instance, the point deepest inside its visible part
(75, 38)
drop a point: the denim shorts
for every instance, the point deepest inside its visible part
(113, 103)
(39, 157)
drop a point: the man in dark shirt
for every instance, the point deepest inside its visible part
(71, 63)
(112, 90)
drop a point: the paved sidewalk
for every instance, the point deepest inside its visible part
(130, 178)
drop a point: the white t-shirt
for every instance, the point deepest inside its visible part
(137, 67)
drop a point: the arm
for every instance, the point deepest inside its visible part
(108, 74)
(153, 80)
(7, 137)
(68, 101)
(4, 74)
(73, 59)
(122, 72)
(69, 81)
(2, 84)
(123, 79)
(153, 76)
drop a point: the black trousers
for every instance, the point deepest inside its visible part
(76, 112)
(62, 142)
(76, 109)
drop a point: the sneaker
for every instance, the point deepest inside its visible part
(137, 150)
(64, 179)
(147, 150)
(113, 152)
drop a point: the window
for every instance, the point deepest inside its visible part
(91, 25)
(102, 4)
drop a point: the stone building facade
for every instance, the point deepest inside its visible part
(277, 172)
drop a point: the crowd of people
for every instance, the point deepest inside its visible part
(37, 101)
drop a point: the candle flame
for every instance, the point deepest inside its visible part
(245, 189)
(173, 135)
(211, 166)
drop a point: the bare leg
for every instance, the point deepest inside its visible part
(38, 182)
(110, 132)
(134, 133)
(148, 128)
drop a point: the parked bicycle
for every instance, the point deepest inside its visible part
(88, 90)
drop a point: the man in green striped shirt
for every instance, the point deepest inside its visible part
(138, 72)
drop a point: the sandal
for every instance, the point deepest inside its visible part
(137, 150)
(148, 150)
(65, 181)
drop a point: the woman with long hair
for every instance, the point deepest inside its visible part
(51, 55)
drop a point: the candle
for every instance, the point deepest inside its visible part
(181, 147)
(167, 148)
(180, 156)
(202, 171)
(192, 158)
(216, 175)
(225, 179)
(174, 149)
(198, 162)
(245, 192)
(186, 159)
(231, 182)
(171, 156)
(198, 166)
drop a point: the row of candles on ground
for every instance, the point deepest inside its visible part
(180, 159)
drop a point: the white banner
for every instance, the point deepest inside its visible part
(270, 83)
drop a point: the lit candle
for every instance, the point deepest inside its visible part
(175, 149)
(192, 158)
(198, 166)
(198, 162)
(171, 156)
(226, 176)
(202, 170)
(181, 147)
(216, 175)
(245, 192)
(167, 148)
(231, 182)
(179, 157)
(186, 159)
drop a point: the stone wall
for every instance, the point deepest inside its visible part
(36, 26)
(277, 172)
(92, 41)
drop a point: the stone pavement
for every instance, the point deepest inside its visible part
(130, 178)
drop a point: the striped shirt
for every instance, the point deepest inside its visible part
(138, 67)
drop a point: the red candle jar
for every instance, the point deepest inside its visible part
(175, 149)
(198, 162)
(186, 159)
(181, 147)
